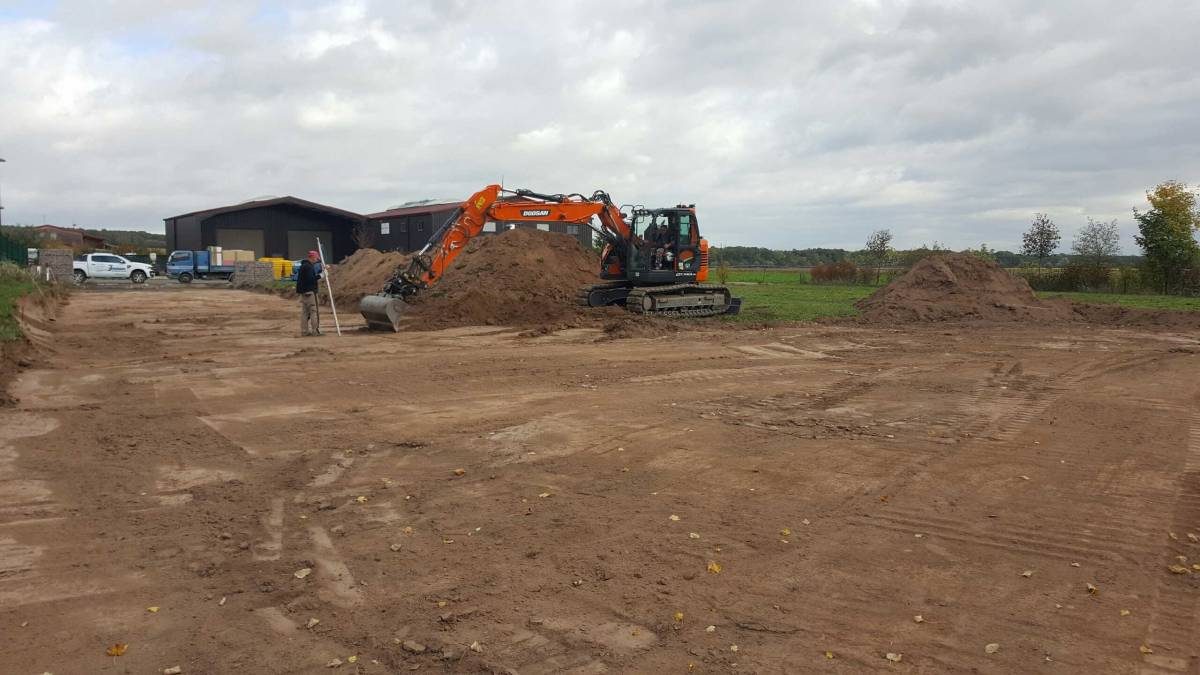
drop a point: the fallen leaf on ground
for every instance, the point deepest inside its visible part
(1074, 564)
(785, 532)
(714, 567)
(117, 649)
(733, 648)
(459, 472)
(395, 547)
(544, 495)
(1027, 573)
(1092, 589)
(441, 603)
(475, 647)
(303, 572)
(352, 659)
(1173, 536)
(152, 610)
(991, 648)
(693, 535)
(806, 521)
(828, 654)
(1196, 566)
(673, 517)
(1125, 612)
(1178, 569)
(894, 657)
(1145, 650)
(407, 530)
(221, 602)
(1024, 477)
(678, 617)
(710, 629)
(312, 622)
(173, 670)
(334, 663)
(918, 619)
(1193, 538)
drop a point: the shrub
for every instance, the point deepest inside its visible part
(843, 271)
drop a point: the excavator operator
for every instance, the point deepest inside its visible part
(660, 243)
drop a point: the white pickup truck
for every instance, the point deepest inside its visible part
(110, 266)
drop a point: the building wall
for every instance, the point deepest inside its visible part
(408, 232)
(275, 221)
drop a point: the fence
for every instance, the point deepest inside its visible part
(13, 251)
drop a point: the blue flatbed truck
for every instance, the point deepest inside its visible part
(188, 265)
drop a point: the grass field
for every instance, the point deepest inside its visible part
(10, 290)
(779, 295)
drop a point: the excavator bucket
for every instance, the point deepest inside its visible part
(382, 311)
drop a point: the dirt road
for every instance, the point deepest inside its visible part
(564, 503)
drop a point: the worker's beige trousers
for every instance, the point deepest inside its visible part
(308, 314)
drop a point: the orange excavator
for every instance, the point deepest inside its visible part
(653, 262)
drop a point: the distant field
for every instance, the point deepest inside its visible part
(1171, 302)
(780, 295)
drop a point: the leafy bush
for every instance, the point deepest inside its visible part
(843, 271)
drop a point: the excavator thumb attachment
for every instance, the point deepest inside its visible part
(382, 311)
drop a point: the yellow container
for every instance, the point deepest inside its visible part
(281, 268)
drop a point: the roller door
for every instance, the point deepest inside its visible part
(300, 242)
(246, 240)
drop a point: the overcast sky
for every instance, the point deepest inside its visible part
(789, 124)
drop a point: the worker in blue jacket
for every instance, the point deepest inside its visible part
(306, 288)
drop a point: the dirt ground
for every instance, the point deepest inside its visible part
(470, 500)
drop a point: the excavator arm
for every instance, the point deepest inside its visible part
(383, 310)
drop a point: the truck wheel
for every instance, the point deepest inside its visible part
(138, 277)
(185, 278)
(79, 277)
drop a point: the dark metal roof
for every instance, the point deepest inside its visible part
(294, 201)
(409, 210)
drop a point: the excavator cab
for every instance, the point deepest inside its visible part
(665, 248)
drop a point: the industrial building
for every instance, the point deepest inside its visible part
(284, 227)
(408, 228)
(287, 227)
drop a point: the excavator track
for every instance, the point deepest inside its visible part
(690, 300)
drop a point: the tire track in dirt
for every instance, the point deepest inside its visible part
(1173, 632)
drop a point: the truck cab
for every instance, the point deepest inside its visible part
(188, 265)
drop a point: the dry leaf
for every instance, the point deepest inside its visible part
(152, 610)
(919, 619)
(1092, 589)
(1145, 650)
(173, 670)
(1172, 535)
(1193, 538)
(673, 517)
(992, 648)
(785, 532)
(407, 530)
(1024, 477)
(678, 617)
(459, 472)
(334, 663)
(395, 547)
(828, 654)
(301, 573)
(361, 499)
(221, 602)
(1125, 612)
(714, 567)
(693, 535)
(894, 657)
(117, 650)
(710, 629)
(733, 648)
(1074, 564)
(544, 495)
(352, 659)
(447, 541)
(1178, 569)
(441, 603)
(691, 667)
(1027, 573)
(312, 622)
(805, 522)
(1196, 566)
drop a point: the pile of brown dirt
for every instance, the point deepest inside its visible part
(362, 273)
(521, 277)
(959, 286)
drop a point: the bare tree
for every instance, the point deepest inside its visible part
(1041, 238)
(879, 248)
(1097, 242)
(363, 235)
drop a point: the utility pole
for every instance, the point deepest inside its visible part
(1, 201)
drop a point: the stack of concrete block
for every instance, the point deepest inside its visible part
(59, 261)
(252, 273)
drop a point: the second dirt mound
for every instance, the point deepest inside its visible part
(959, 286)
(363, 273)
(521, 277)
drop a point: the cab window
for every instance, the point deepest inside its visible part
(180, 256)
(685, 228)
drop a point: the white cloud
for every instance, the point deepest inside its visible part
(789, 124)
